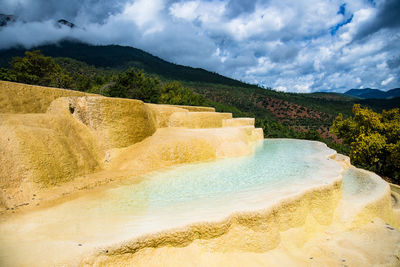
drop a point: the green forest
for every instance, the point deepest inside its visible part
(373, 146)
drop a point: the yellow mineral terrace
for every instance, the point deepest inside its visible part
(88, 180)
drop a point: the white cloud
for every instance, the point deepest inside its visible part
(285, 44)
(185, 10)
(145, 13)
(387, 81)
(281, 88)
(260, 22)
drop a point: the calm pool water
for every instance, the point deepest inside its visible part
(275, 165)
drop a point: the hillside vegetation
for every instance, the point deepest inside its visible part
(117, 58)
(374, 139)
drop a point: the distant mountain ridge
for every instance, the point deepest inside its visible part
(369, 93)
(120, 58)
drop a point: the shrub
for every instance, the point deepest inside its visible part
(374, 139)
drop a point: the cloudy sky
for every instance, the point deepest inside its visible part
(290, 45)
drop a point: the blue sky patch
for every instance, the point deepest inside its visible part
(335, 28)
(342, 9)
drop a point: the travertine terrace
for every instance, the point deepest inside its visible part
(52, 137)
(64, 154)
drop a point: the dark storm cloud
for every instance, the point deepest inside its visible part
(40, 10)
(235, 8)
(387, 17)
(283, 53)
(394, 63)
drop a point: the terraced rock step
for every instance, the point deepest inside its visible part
(365, 196)
(69, 136)
(396, 201)
(196, 120)
(238, 122)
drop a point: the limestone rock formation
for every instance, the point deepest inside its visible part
(51, 137)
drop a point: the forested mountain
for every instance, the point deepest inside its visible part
(120, 58)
